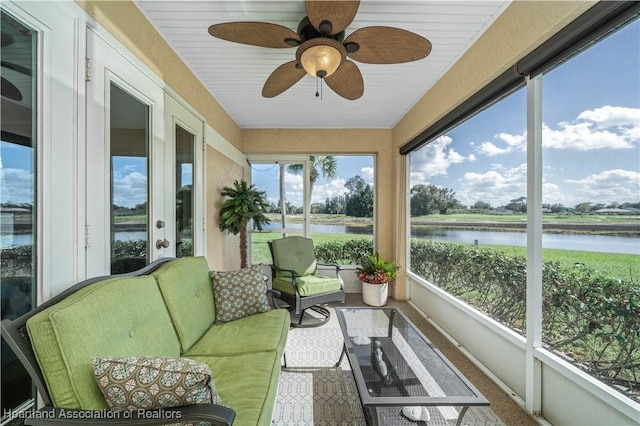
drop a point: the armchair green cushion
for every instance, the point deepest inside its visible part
(308, 285)
(295, 253)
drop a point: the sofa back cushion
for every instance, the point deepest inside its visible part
(187, 291)
(116, 317)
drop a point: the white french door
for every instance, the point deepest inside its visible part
(130, 190)
(185, 161)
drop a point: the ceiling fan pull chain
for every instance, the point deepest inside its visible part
(317, 92)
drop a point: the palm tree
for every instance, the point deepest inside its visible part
(244, 203)
(325, 164)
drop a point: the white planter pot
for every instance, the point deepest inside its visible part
(375, 294)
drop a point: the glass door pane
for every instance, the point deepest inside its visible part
(129, 154)
(18, 179)
(185, 150)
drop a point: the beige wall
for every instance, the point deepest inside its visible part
(223, 249)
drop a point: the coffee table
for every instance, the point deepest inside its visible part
(395, 366)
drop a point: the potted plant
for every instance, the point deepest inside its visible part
(375, 274)
(244, 203)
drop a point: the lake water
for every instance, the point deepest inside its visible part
(596, 243)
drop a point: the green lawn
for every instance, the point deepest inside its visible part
(624, 266)
(132, 218)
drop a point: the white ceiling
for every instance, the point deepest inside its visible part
(235, 73)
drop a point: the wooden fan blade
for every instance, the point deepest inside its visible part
(10, 91)
(387, 45)
(336, 12)
(261, 34)
(285, 76)
(346, 81)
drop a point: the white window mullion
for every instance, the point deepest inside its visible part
(534, 244)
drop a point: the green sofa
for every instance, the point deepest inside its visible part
(166, 309)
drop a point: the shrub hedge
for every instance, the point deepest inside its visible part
(591, 318)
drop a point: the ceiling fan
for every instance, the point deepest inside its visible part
(322, 50)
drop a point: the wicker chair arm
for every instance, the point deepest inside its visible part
(216, 415)
(293, 273)
(334, 265)
(274, 292)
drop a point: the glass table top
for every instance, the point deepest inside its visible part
(395, 364)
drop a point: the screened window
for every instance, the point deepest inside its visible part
(591, 206)
(338, 215)
(468, 201)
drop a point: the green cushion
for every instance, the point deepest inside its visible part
(294, 253)
(67, 336)
(308, 285)
(152, 382)
(186, 288)
(247, 383)
(256, 333)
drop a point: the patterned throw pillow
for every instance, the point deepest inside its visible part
(239, 293)
(150, 382)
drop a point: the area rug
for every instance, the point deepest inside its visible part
(313, 392)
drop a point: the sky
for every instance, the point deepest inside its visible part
(266, 178)
(591, 136)
(591, 144)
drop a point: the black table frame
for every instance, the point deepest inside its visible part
(369, 402)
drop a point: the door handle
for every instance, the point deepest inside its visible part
(162, 244)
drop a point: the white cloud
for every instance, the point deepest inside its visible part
(608, 127)
(609, 186)
(583, 137)
(497, 186)
(491, 150)
(17, 185)
(434, 159)
(611, 116)
(367, 174)
(130, 188)
(294, 188)
(330, 189)
(514, 141)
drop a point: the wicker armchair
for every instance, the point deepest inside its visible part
(295, 275)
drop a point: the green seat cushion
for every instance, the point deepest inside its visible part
(308, 285)
(186, 288)
(115, 317)
(256, 333)
(247, 383)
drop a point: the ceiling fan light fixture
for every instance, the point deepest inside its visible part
(321, 57)
(321, 61)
